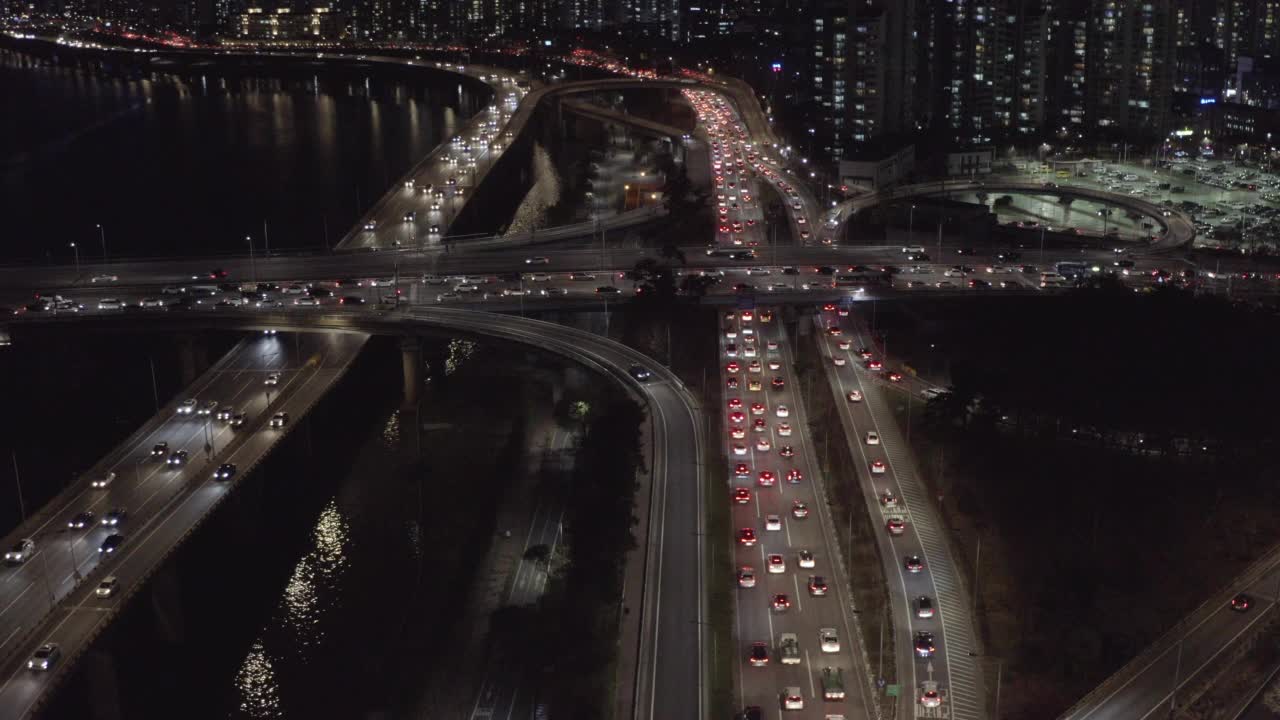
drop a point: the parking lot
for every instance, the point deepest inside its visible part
(1234, 205)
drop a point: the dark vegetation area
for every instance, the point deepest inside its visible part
(1113, 454)
(572, 636)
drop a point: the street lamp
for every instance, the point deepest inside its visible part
(102, 235)
(77, 251)
(253, 268)
(911, 225)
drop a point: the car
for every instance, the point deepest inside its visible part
(829, 640)
(731, 383)
(781, 603)
(746, 577)
(854, 396)
(81, 521)
(755, 367)
(103, 481)
(763, 444)
(913, 563)
(737, 432)
(784, 429)
(640, 373)
(732, 368)
(160, 449)
(834, 330)
(177, 458)
(874, 365)
(924, 606)
(20, 552)
(924, 644)
(786, 451)
(272, 380)
(844, 343)
(188, 406)
(757, 408)
(804, 558)
(794, 476)
(864, 353)
(537, 260)
(753, 385)
(888, 499)
(734, 403)
(779, 383)
(111, 544)
(839, 361)
(731, 351)
(775, 364)
(1241, 602)
(225, 471)
(792, 699)
(224, 413)
(929, 696)
(877, 467)
(782, 411)
(747, 537)
(772, 522)
(739, 449)
(107, 587)
(44, 658)
(114, 517)
(737, 416)
(873, 437)
(799, 510)
(279, 420)
(237, 420)
(766, 478)
(895, 525)
(759, 654)
(741, 470)
(742, 496)
(351, 300)
(817, 586)
(776, 564)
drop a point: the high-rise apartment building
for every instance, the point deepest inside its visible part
(1131, 64)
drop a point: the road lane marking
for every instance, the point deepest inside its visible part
(24, 592)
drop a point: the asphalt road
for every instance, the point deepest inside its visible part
(952, 666)
(774, 439)
(162, 502)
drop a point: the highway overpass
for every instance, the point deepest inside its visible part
(669, 678)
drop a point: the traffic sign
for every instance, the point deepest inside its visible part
(893, 690)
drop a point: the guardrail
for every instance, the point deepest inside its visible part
(1141, 661)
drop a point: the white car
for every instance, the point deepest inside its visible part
(188, 406)
(307, 301)
(104, 278)
(854, 396)
(782, 411)
(273, 379)
(829, 640)
(772, 522)
(792, 699)
(107, 587)
(104, 480)
(805, 559)
(776, 564)
(110, 304)
(839, 361)
(784, 429)
(873, 437)
(279, 420)
(539, 277)
(21, 552)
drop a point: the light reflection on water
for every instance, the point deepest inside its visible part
(256, 680)
(308, 597)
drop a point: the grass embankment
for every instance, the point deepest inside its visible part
(854, 527)
(1070, 463)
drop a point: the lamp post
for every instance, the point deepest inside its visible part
(911, 225)
(102, 236)
(999, 672)
(77, 252)
(253, 268)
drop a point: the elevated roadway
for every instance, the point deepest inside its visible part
(1176, 228)
(641, 126)
(50, 597)
(669, 683)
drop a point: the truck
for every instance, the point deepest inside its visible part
(789, 648)
(832, 683)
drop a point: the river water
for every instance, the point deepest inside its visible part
(189, 164)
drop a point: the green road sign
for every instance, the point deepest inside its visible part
(893, 690)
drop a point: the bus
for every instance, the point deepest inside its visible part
(1073, 270)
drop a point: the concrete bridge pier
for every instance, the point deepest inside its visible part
(104, 685)
(193, 356)
(166, 603)
(411, 357)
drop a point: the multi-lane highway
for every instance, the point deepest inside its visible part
(161, 485)
(793, 626)
(933, 633)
